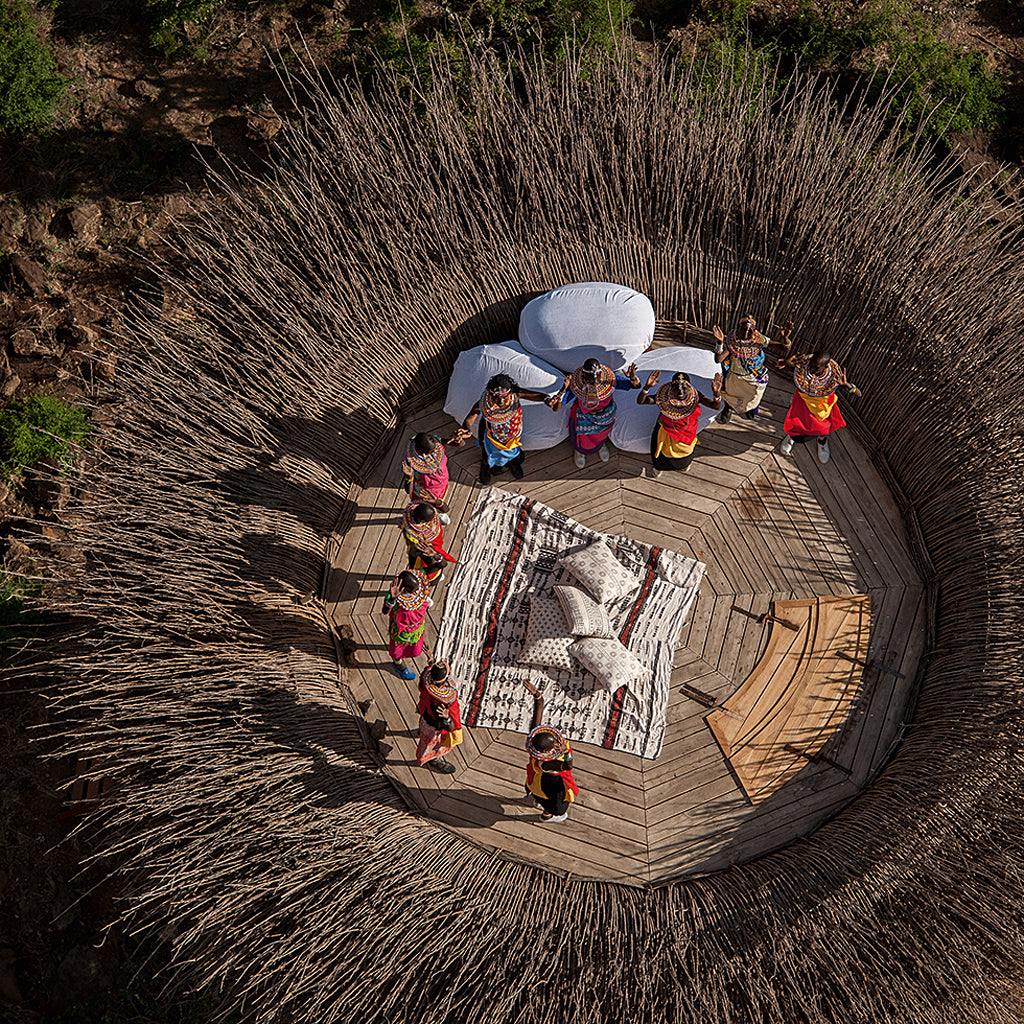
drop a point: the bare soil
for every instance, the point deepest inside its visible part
(78, 209)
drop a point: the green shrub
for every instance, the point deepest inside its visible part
(167, 19)
(885, 36)
(29, 84)
(36, 428)
(963, 91)
(409, 39)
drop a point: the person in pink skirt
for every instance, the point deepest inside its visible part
(591, 389)
(406, 607)
(425, 469)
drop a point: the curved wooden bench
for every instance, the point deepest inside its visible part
(799, 693)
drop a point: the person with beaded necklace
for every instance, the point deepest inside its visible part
(440, 718)
(591, 388)
(674, 438)
(425, 472)
(549, 771)
(424, 537)
(742, 354)
(406, 605)
(814, 411)
(500, 429)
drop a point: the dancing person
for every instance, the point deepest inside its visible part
(674, 438)
(440, 717)
(742, 354)
(591, 388)
(814, 411)
(549, 771)
(406, 607)
(425, 472)
(424, 538)
(500, 429)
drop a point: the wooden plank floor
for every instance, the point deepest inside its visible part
(768, 527)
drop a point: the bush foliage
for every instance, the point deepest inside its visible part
(30, 86)
(884, 37)
(39, 427)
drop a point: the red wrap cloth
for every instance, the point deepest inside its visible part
(801, 421)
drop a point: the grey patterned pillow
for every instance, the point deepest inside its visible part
(547, 640)
(609, 661)
(600, 572)
(583, 615)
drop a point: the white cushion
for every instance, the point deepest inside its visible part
(600, 572)
(583, 615)
(547, 640)
(612, 664)
(634, 423)
(542, 428)
(590, 320)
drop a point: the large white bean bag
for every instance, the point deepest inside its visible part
(591, 320)
(542, 428)
(634, 423)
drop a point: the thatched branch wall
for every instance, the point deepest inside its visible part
(394, 228)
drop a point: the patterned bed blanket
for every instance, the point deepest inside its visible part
(511, 550)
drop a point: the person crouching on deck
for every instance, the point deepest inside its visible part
(814, 411)
(592, 387)
(424, 537)
(425, 470)
(500, 428)
(406, 607)
(549, 771)
(746, 377)
(440, 718)
(674, 438)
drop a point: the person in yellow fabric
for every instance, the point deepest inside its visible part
(814, 411)
(674, 438)
(549, 771)
(498, 418)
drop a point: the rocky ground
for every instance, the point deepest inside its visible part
(80, 211)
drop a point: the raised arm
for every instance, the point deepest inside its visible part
(716, 390)
(643, 397)
(720, 352)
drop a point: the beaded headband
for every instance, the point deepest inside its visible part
(816, 385)
(593, 389)
(421, 463)
(496, 410)
(560, 748)
(421, 531)
(410, 602)
(675, 407)
(441, 689)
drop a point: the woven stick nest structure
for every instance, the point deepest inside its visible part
(394, 227)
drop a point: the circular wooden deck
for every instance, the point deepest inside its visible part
(768, 527)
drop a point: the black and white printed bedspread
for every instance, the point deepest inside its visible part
(511, 550)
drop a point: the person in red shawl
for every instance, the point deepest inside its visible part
(406, 607)
(549, 771)
(425, 469)
(424, 536)
(591, 389)
(674, 438)
(814, 411)
(440, 718)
